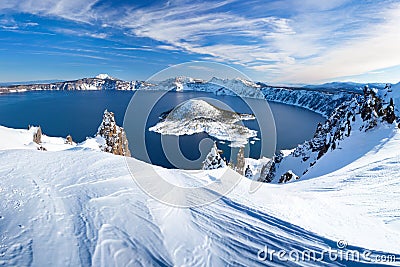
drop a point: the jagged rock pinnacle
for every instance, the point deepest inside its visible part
(114, 136)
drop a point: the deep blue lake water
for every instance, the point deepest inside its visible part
(79, 113)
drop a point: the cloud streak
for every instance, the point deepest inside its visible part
(279, 41)
(77, 10)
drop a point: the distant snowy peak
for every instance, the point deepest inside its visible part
(237, 82)
(179, 83)
(232, 87)
(104, 76)
(238, 86)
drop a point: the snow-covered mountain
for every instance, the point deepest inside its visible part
(196, 116)
(345, 86)
(318, 100)
(348, 134)
(323, 101)
(100, 82)
(104, 76)
(7, 84)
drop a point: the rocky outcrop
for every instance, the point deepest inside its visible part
(41, 148)
(114, 136)
(268, 170)
(68, 140)
(240, 161)
(318, 101)
(288, 177)
(37, 137)
(37, 134)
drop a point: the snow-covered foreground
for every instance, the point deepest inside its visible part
(82, 207)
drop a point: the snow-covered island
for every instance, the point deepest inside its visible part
(196, 116)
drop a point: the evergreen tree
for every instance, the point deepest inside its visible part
(389, 116)
(248, 173)
(214, 159)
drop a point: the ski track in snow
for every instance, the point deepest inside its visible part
(67, 209)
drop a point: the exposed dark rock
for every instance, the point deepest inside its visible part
(248, 173)
(68, 140)
(287, 177)
(114, 136)
(37, 136)
(42, 148)
(268, 170)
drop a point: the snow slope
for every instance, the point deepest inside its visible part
(23, 139)
(81, 207)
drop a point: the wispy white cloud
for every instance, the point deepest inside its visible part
(279, 40)
(11, 24)
(167, 47)
(68, 54)
(81, 33)
(374, 47)
(189, 28)
(78, 10)
(321, 40)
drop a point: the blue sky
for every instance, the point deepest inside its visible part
(277, 41)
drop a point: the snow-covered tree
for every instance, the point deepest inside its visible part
(390, 116)
(214, 159)
(114, 136)
(248, 173)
